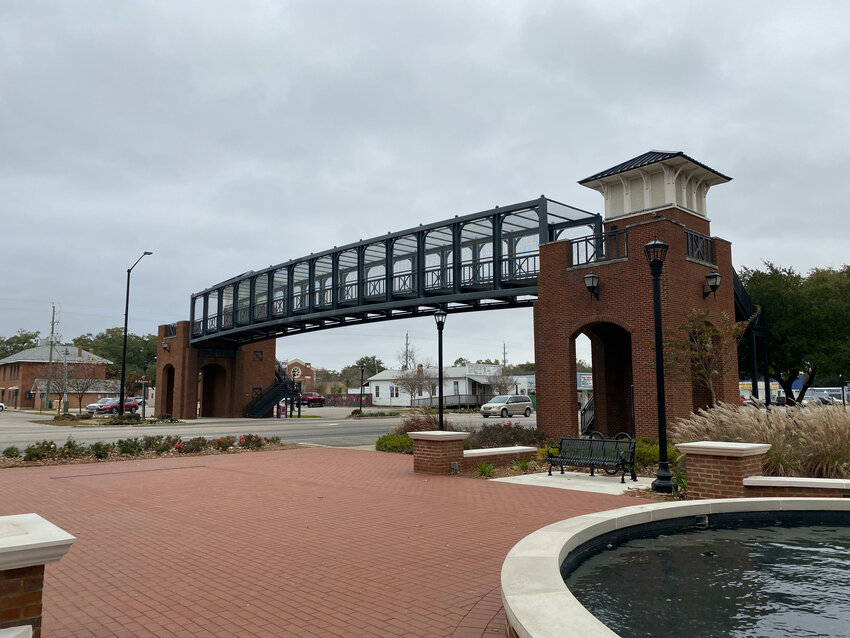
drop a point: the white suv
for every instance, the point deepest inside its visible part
(507, 405)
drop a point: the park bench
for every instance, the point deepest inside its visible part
(596, 452)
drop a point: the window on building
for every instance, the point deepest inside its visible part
(377, 391)
(419, 392)
(456, 387)
(396, 392)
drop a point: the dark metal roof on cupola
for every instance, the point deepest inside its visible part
(650, 157)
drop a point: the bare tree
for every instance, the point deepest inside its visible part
(416, 380)
(502, 381)
(704, 350)
(82, 379)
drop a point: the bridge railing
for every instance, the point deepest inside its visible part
(605, 246)
(699, 247)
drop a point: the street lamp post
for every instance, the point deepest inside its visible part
(362, 370)
(124, 350)
(655, 252)
(440, 318)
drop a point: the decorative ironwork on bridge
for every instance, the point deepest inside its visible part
(480, 261)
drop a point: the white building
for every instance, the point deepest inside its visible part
(462, 386)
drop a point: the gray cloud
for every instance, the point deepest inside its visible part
(229, 137)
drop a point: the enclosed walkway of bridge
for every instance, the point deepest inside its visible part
(480, 261)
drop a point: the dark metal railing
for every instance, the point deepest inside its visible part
(602, 247)
(171, 330)
(699, 247)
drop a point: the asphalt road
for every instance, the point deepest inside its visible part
(324, 426)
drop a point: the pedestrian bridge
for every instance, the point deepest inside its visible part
(481, 261)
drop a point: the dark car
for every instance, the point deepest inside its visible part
(130, 406)
(311, 400)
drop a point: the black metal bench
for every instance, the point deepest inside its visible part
(596, 452)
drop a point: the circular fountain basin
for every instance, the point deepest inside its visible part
(538, 604)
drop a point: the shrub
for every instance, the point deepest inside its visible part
(71, 449)
(484, 469)
(191, 446)
(395, 442)
(356, 412)
(11, 452)
(507, 434)
(223, 443)
(520, 465)
(273, 440)
(100, 449)
(129, 447)
(418, 422)
(251, 441)
(124, 419)
(42, 450)
(159, 443)
(647, 453)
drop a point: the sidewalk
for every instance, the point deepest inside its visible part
(305, 542)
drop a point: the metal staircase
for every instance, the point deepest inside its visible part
(282, 388)
(587, 412)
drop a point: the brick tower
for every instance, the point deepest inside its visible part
(657, 194)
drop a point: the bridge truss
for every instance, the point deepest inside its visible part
(481, 261)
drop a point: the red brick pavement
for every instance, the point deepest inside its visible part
(306, 542)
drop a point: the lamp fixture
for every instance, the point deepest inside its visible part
(712, 281)
(440, 317)
(165, 345)
(591, 280)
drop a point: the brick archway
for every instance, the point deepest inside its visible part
(213, 390)
(613, 379)
(167, 383)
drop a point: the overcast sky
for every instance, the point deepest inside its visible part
(228, 136)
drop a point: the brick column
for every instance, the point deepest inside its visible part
(434, 451)
(27, 542)
(717, 469)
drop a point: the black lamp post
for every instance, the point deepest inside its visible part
(655, 252)
(362, 370)
(440, 318)
(124, 350)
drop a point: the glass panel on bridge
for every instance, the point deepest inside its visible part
(347, 295)
(438, 260)
(300, 287)
(261, 297)
(323, 282)
(404, 259)
(279, 291)
(375, 257)
(476, 253)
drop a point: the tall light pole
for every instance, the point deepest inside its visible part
(440, 318)
(124, 350)
(655, 252)
(362, 370)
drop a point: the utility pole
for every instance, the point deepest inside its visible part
(406, 350)
(504, 354)
(50, 356)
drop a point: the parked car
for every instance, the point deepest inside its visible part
(311, 400)
(507, 405)
(2, 407)
(110, 405)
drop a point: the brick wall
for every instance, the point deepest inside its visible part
(20, 597)
(564, 309)
(436, 457)
(498, 460)
(720, 476)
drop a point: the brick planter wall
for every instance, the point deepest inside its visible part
(791, 486)
(27, 542)
(435, 451)
(497, 456)
(20, 597)
(718, 469)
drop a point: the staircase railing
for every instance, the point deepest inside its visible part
(587, 414)
(283, 387)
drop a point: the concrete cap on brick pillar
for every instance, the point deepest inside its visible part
(438, 435)
(723, 448)
(28, 539)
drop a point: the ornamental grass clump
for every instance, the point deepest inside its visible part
(418, 422)
(812, 441)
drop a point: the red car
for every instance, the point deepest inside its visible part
(130, 406)
(311, 400)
